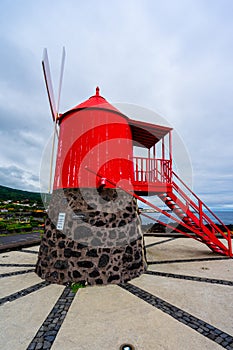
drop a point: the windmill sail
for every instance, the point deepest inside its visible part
(49, 85)
(61, 78)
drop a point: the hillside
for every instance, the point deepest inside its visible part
(7, 193)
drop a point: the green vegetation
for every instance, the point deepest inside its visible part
(76, 286)
(7, 193)
(20, 211)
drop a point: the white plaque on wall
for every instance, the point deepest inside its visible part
(61, 221)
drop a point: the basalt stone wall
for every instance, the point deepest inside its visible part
(92, 237)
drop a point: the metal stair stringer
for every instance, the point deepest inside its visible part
(186, 216)
(191, 213)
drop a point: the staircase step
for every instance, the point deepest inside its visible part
(170, 204)
(188, 220)
(214, 247)
(179, 212)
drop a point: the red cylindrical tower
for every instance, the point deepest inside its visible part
(93, 232)
(96, 135)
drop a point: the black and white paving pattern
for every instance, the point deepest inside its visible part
(184, 301)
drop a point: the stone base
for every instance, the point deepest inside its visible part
(98, 242)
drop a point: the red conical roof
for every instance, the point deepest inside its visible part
(96, 101)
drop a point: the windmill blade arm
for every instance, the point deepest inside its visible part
(61, 77)
(49, 85)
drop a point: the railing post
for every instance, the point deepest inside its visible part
(136, 177)
(158, 163)
(141, 169)
(170, 152)
(154, 170)
(163, 149)
(229, 243)
(200, 213)
(162, 167)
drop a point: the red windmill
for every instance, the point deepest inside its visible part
(93, 233)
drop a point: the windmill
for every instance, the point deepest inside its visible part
(93, 231)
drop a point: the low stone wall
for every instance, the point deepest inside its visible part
(91, 237)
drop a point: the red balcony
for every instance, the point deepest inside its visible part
(151, 176)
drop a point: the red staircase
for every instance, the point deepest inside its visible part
(155, 177)
(196, 216)
(189, 211)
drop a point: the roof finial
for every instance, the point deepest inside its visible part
(97, 91)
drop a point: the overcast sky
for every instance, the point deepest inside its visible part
(174, 57)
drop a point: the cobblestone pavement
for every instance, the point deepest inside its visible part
(184, 301)
(46, 334)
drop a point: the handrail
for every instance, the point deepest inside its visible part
(199, 209)
(200, 201)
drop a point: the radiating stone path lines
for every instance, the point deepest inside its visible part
(222, 338)
(187, 260)
(28, 251)
(15, 273)
(23, 292)
(161, 242)
(190, 278)
(47, 332)
(17, 265)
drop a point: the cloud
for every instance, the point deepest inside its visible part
(16, 177)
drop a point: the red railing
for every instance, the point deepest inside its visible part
(204, 214)
(152, 170)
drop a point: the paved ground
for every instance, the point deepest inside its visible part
(184, 301)
(11, 241)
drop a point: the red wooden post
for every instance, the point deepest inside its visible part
(170, 155)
